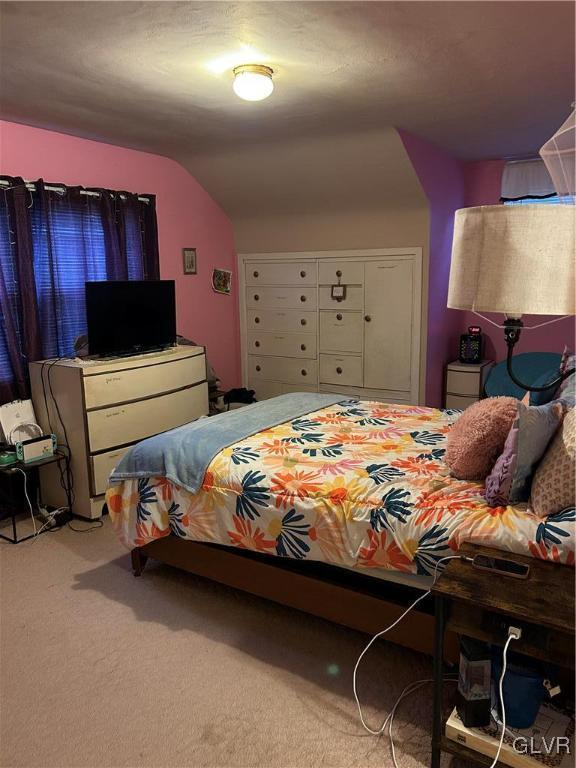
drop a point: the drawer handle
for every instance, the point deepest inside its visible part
(367, 318)
(338, 370)
(255, 274)
(256, 319)
(302, 274)
(338, 316)
(303, 347)
(256, 343)
(338, 273)
(302, 298)
(304, 372)
(258, 368)
(256, 297)
(303, 322)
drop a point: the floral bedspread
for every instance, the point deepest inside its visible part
(360, 484)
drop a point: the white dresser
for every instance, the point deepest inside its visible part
(107, 406)
(298, 336)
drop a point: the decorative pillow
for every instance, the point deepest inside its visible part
(554, 484)
(510, 479)
(477, 437)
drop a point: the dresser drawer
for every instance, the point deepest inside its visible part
(279, 297)
(354, 298)
(131, 422)
(280, 320)
(341, 331)
(463, 383)
(102, 466)
(284, 369)
(287, 273)
(351, 272)
(135, 383)
(341, 369)
(283, 344)
(459, 401)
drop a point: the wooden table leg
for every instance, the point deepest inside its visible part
(440, 620)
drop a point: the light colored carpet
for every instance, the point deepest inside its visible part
(101, 669)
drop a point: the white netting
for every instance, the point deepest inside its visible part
(559, 155)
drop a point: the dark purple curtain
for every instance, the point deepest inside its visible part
(51, 243)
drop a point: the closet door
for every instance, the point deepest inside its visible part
(388, 291)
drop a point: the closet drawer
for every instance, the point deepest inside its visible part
(345, 369)
(135, 383)
(268, 297)
(284, 369)
(272, 320)
(102, 466)
(283, 344)
(267, 389)
(286, 273)
(354, 298)
(352, 272)
(341, 331)
(131, 422)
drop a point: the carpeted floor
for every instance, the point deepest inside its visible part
(101, 669)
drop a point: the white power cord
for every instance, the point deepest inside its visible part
(51, 515)
(28, 498)
(513, 634)
(383, 632)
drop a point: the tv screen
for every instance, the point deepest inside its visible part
(130, 316)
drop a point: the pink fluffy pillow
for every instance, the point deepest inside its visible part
(476, 440)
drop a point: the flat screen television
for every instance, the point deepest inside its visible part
(126, 317)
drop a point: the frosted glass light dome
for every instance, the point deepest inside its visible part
(253, 82)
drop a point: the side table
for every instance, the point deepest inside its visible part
(483, 605)
(15, 470)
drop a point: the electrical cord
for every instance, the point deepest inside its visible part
(412, 686)
(383, 632)
(511, 636)
(17, 469)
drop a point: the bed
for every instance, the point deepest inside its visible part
(356, 493)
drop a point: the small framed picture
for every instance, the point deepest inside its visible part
(221, 281)
(189, 260)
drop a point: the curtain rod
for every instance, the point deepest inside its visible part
(51, 188)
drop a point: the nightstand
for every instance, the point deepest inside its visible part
(465, 382)
(483, 605)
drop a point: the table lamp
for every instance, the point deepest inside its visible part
(514, 259)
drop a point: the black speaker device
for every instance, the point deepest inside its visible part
(471, 345)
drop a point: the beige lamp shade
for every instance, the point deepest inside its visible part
(515, 259)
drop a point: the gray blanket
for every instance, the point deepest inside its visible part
(182, 455)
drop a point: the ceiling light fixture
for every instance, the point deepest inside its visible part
(253, 82)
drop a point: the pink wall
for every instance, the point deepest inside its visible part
(187, 217)
(483, 181)
(442, 179)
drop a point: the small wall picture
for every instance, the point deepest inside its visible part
(189, 260)
(221, 280)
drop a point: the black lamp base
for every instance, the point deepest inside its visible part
(512, 330)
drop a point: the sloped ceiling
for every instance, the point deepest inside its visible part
(480, 79)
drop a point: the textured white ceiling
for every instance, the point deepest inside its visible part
(481, 79)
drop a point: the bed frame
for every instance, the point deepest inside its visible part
(354, 600)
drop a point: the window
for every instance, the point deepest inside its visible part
(52, 241)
